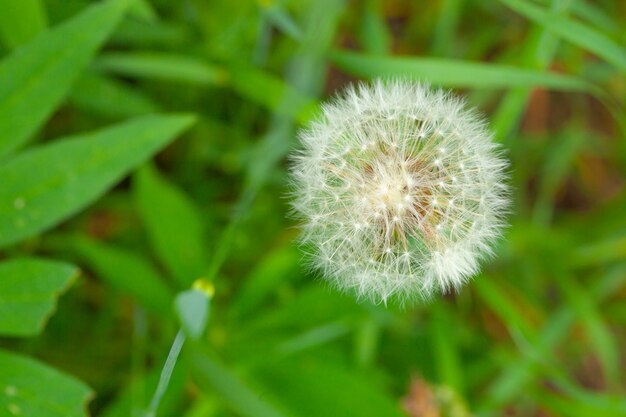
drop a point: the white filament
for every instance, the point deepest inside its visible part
(401, 190)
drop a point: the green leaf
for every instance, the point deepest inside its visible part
(32, 389)
(313, 338)
(138, 33)
(38, 76)
(126, 271)
(567, 406)
(308, 387)
(214, 377)
(456, 73)
(174, 226)
(445, 32)
(29, 288)
(445, 347)
(502, 304)
(374, 33)
(277, 267)
(572, 31)
(192, 307)
(606, 250)
(48, 184)
(282, 20)
(20, 21)
(132, 398)
(144, 10)
(516, 376)
(162, 66)
(272, 93)
(108, 97)
(595, 14)
(538, 52)
(558, 164)
(598, 330)
(256, 85)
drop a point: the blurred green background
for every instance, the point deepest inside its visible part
(148, 204)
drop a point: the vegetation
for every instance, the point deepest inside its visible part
(143, 151)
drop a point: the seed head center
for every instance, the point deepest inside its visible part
(391, 191)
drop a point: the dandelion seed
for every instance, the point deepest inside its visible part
(402, 189)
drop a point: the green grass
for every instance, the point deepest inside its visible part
(538, 333)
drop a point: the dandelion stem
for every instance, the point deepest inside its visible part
(166, 373)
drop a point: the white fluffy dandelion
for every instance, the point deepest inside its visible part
(401, 190)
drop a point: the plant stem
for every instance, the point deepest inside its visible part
(166, 373)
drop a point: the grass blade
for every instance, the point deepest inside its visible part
(572, 31)
(73, 172)
(456, 73)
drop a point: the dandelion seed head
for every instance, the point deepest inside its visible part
(419, 169)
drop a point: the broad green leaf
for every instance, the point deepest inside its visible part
(162, 66)
(310, 388)
(214, 377)
(193, 307)
(110, 98)
(572, 31)
(456, 73)
(20, 21)
(174, 225)
(127, 272)
(30, 388)
(36, 77)
(29, 288)
(48, 184)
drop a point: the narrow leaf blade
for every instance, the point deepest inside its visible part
(21, 21)
(127, 272)
(572, 31)
(174, 225)
(162, 66)
(456, 73)
(216, 378)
